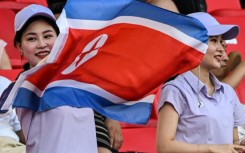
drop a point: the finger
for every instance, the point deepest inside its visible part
(117, 143)
(111, 139)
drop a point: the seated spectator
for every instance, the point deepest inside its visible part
(4, 59)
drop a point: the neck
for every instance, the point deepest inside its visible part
(204, 75)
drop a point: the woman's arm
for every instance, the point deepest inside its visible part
(166, 130)
(235, 77)
(5, 61)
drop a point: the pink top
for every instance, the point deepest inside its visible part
(209, 122)
(61, 130)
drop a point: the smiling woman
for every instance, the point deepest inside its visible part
(191, 105)
(35, 34)
(35, 37)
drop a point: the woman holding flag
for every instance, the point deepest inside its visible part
(197, 112)
(63, 129)
(36, 32)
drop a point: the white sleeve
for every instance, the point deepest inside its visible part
(14, 121)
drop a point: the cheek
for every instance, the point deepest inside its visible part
(51, 43)
(207, 58)
(210, 53)
(29, 54)
(28, 49)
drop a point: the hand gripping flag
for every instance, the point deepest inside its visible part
(110, 56)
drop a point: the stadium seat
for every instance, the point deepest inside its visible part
(228, 12)
(240, 91)
(213, 5)
(7, 34)
(236, 45)
(139, 140)
(41, 2)
(13, 5)
(10, 74)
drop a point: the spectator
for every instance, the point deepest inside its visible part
(62, 129)
(191, 105)
(36, 31)
(232, 70)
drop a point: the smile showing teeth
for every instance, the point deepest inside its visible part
(42, 54)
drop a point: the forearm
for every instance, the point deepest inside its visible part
(5, 61)
(236, 75)
(181, 147)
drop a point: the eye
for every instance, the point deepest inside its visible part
(223, 43)
(213, 39)
(31, 39)
(47, 36)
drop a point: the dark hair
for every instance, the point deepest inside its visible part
(191, 6)
(18, 34)
(57, 7)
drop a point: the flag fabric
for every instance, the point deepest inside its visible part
(110, 56)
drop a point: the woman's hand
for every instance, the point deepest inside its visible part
(115, 133)
(44, 60)
(228, 149)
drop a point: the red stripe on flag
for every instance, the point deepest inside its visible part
(134, 60)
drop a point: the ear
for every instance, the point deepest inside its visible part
(19, 47)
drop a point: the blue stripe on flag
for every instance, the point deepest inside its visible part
(138, 113)
(95, 10)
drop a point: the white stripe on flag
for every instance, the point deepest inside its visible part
(87, 87)
(164, 28)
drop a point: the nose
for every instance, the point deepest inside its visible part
(225, 57)
(41, 44)
(222, 49)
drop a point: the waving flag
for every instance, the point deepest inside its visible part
(110, 56)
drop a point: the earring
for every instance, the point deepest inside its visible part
(21, 53)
